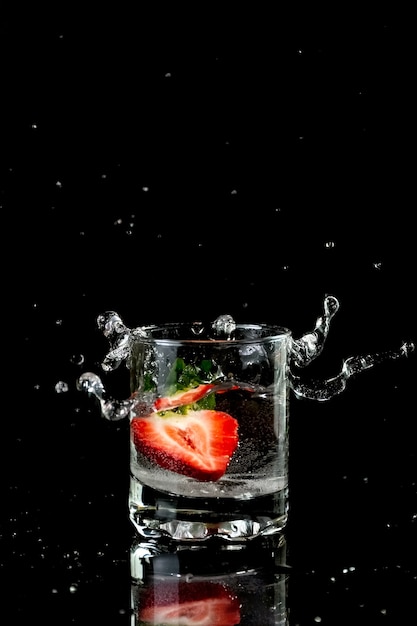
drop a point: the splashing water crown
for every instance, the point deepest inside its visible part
(302, 352)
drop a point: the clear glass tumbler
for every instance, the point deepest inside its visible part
(209, 431)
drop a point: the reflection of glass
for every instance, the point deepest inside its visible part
(209, 587)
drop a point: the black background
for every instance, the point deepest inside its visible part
(181, 164)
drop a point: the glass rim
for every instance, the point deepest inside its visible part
(268, 333)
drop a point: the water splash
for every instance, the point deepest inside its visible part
(331, 387)
(120, 338)
(111, 409)
(224, 326)
(310, 345)
(302, 352)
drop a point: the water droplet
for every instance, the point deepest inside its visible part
(77, 359)
(224, 326)
(91, 383)
(61, 387)
(197, 328)
(407, 348)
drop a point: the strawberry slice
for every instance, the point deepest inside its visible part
(180, 398)
(199, 444)
(189, 604)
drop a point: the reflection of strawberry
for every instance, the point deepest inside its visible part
(198, 444)
(181, 398)
(189, 604)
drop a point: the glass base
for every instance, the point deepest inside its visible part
(158, 515)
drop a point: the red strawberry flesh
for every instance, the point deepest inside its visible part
(180, 398)
(199, 444)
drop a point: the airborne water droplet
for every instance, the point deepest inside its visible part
(197, 328)
(61, 387)
(77, 359)
(224, 326)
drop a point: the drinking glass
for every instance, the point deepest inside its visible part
(209, 431)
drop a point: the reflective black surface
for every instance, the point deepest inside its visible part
(170, 169)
